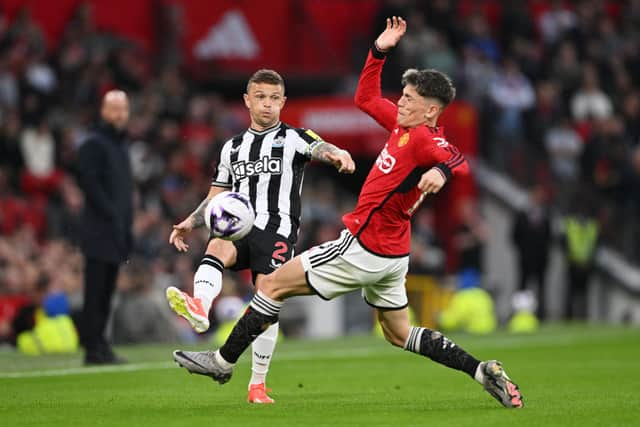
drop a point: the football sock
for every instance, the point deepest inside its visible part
(263, 348)
(479, 375)
(262, 313)
(207, 282)
(439, 348)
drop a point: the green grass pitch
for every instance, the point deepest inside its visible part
(569, 375)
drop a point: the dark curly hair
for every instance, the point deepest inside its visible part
(430, 84)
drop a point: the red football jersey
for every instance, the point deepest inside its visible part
(390, 195)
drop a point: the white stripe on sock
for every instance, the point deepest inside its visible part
(413, 341)
(266, 305)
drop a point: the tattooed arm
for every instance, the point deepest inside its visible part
(329, 153)
(197, 217)
(195, 220)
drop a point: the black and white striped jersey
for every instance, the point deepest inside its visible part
(268, 166)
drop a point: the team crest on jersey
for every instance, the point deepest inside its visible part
(404, 139)
(278, 142)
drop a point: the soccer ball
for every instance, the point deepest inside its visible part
(229, 215)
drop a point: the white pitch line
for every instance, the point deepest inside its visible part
(537, 341)
(133, 367)
(150, 366)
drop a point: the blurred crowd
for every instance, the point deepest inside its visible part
(556, 85)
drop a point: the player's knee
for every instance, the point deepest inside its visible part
(276, 288)
(265, 285)
(224, 250)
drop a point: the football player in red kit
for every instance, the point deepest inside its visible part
(372, 253)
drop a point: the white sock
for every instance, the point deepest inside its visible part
(221, 361)
(262, 350)
(207, 282)
(479, 375)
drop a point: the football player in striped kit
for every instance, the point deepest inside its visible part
(372, 253)
(266, 162)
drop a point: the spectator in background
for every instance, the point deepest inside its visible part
(590, 102)
(511, 94)
(470, 237)
(564, 147)
(604, 158)
(477, 72)
(40, 177)
(543, 116)
(471, 308)
(9, 91)
(427, 254)
(631, 116)
(566, 69)
(142, 314)
(105, 176)
(10, 153)
(555, 22)
(532, 238)
(478, 35)
(515, 22)
(581, 239)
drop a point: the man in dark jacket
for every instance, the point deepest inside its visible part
(105, 177)
(532, 238)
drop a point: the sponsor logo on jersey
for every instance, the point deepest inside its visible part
(266, 164)
(385, 161)
(404, 139)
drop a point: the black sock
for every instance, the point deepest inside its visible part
(439, 348)
(262, 313)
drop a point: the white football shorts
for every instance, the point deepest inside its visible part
(343, 265)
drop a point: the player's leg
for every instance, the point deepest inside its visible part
(262, 350)
(263, 311)
(424, 341)
(268, 251)
(437, 347)
(323, 270)
(207, 284)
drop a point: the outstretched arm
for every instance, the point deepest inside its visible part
(329, 153)
(195, 220)
(369, 95)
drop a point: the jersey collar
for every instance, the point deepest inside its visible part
(262, 132)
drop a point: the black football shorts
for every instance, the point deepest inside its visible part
(262, 252)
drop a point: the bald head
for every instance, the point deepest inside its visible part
(115, 108)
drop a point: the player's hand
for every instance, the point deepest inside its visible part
(396, 27)
(179, 233)
(431, 181)
(342, 161)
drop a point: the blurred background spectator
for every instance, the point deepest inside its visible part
(532, 239)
